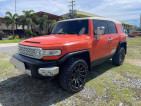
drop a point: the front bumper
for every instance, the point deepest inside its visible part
(35, 68)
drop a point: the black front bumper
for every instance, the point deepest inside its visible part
(33, 64)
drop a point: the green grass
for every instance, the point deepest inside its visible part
(5, 67)
(106, 73)
(11, 41)
(102, 81)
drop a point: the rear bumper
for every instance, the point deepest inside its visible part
(35, 68)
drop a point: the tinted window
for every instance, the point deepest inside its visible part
(71, 27)
(99, 23)
(112, 27)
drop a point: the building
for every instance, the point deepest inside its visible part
(18, 29)
(128, 27)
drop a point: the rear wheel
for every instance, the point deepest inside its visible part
(119, 57)
(73, 75)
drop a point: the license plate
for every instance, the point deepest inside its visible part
(19, 65)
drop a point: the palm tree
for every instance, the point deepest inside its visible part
(43, 23)
(11, 19)
(22, 21)
(28, 18)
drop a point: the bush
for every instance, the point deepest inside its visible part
(13, 37)
(2, 34)
(42, 33)
(29, 33)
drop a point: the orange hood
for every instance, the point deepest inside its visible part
(55, 39)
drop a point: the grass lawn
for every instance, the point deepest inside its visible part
(11, 41)
(107, 85)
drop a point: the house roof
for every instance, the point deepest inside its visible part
(85, 14)
(50, 16)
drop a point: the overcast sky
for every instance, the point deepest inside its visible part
(123, 10)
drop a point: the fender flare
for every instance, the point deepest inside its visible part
(72, 54)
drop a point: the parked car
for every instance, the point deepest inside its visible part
(135, 34)
(70, 52)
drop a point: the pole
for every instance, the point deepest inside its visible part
(72, 7)
(15, 6)
(140, 20)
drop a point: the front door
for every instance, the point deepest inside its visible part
(100, 48)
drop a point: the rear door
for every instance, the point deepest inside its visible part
(113, 37)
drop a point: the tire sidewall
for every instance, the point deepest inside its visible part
(66, 72)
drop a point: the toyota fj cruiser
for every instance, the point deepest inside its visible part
(70, 52)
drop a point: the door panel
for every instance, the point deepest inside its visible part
(99, 47)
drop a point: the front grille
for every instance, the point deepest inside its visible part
(29, 51)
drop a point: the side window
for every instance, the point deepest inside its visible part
(122, 28)
(99, 23)
(112, 27)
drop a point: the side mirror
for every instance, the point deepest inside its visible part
(100, 31)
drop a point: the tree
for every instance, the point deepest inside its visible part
(22, 21)
(11, 19)
(44, 23)
(29, 18)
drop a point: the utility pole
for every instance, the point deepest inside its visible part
(15, 7)
(72, 4)
(140, 20)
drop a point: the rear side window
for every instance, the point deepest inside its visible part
(112, 27)
(99, 23)
(122, 28)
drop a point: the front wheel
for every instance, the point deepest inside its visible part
(119, 57)
(73, 75)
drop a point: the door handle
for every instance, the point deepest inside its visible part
(110, 39)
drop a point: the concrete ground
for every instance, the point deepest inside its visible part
(8, 45)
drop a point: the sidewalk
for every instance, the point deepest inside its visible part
(8, 45)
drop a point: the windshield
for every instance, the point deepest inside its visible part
(71, 27)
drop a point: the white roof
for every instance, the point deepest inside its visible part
(96, 18)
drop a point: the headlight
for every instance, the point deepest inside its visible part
(50, 52)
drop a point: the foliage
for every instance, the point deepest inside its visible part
(62, 19)
(29, 33)
(13, 37)
(42, 33)
(28, 17)
(43, 23)
(2, 34)
(21, 21)
(10, 19)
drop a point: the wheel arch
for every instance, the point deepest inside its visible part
(83, 54)
(122, 44)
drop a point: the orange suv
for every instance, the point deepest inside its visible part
(70, 52)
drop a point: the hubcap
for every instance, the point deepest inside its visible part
(78, 76)
(122, 56)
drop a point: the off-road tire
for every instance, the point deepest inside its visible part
(119, 57)
(72, 69)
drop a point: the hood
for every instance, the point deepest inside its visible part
(55, 39)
